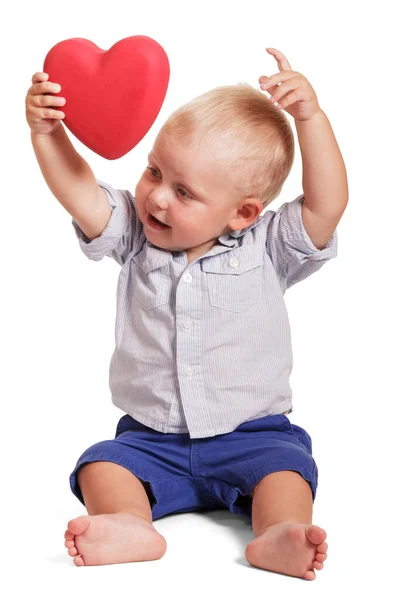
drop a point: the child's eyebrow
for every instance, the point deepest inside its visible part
(183, 183)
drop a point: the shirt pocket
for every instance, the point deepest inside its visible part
(151, 289)
(234, 279)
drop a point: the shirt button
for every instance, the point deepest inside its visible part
(188, 371)
(187, 277)
(187, 324)
(234, 262)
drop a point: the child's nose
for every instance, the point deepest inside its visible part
(158, 198)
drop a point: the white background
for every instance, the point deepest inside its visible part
(58, 308)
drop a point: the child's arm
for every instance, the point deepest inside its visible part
(72, 182)
(67, 174)
(324, 180)
(325, 184)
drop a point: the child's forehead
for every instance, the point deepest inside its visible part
(194, 149)
(174, 143)
(201, 167)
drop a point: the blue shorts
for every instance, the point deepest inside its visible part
(182, 474)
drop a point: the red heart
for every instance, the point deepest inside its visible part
(112, 96)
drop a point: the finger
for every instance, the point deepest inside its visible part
(264, 84)
(281, 90)
(39, 77)
(46, 113)
(44, 87)
(47, 100)
(271, 90)
(271, 85)
(287, 100)
(282, 62)
(277, 78)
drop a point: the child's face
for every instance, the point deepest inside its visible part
(188, 188)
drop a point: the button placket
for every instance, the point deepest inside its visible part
(189, 341)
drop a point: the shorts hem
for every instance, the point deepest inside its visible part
(88, 459)
(158, 487)
(255, 476)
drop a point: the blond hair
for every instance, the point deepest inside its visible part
(258, 135)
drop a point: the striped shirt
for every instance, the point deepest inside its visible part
(202, 347)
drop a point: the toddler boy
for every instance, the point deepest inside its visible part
(203, 351)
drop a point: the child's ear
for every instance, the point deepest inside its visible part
(246, 213)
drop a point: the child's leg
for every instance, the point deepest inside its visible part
(281, 496)
(119, 528)
(109, 488)
(286, 542)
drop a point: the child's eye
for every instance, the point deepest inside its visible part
(183, 193)
(153, 172)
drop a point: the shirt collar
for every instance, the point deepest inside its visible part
(231, 238)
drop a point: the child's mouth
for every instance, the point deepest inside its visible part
(155, 224)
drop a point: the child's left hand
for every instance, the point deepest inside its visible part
(295, 90)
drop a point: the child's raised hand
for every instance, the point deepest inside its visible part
(294, 92)
(41, 117)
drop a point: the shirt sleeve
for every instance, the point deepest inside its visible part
(292, 252)
(123, 233)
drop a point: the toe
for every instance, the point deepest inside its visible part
(69, 544)
(79, 525)
(321, 557)
(322, 548)
(72, 551)
(317, 565)
(310, 575)
(79, 562)
(315, 534)
(68, 535)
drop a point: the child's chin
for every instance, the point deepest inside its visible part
(158, 241)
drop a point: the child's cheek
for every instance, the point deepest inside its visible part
(139, 188)
(189, 218)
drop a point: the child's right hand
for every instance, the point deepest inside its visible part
(43, 119)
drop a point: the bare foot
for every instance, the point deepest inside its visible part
(289, 548)
(109, 539)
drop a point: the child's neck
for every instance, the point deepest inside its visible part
(194, 253)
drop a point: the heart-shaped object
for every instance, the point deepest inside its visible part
(112, 96)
